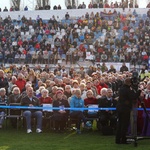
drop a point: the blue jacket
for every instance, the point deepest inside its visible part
(76, 103)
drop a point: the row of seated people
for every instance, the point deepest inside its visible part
(40, 37)
(60, 116)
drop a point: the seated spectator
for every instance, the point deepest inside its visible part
(103, 102)
(90, 98)
(67, 91)
(3, 100)
(60, 116)
(82, 87)
(3, 80)
(12, 83)
(45, 98)
(14, 98)
(77, 102)
(30, 101)
(20, 81)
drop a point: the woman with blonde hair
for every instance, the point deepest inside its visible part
(32, 77)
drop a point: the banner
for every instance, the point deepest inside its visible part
(112, 14)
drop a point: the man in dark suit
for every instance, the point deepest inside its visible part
(126, 98)
(30, 100)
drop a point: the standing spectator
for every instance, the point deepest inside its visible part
(67, 16)
(11, 8)
(126, 98)
(5, 9)
(112, 69)
(123, 68)
(36, 7)
(30, 101)
(26, 8)
(136, 5)
(83, 5)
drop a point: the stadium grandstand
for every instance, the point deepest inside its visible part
(75, 36)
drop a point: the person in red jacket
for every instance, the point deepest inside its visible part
(102, 83)
(20, 82)
(90, 98)
(97, 85)
(45, 98)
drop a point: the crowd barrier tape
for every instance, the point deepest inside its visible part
(65, 108)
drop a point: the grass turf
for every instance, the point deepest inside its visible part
(11, 139)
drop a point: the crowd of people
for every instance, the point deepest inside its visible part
(108, 36)
(74, 89)
(105, 36)
(124, 4)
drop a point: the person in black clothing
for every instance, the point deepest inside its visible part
(60, 116)
(55, 7)
(107, 117)
(123, 68)
(67, 16)
(3, 81)
(126, 98)
(30, 100)
(5, 9)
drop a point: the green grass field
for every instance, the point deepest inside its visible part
(11, 139)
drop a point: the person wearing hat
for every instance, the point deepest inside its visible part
(127, 96)
(60, 115)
